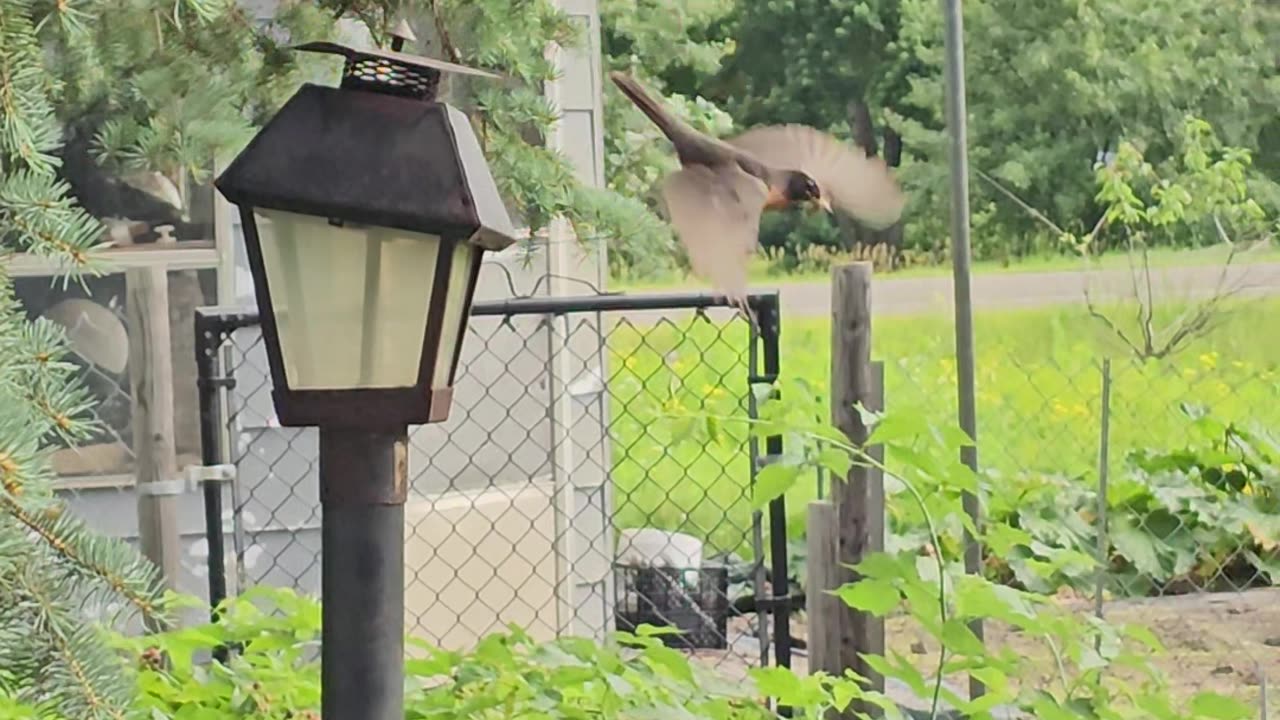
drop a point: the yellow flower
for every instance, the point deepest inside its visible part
(1209, 359)
(1189, 373)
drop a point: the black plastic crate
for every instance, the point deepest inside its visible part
(692, 600)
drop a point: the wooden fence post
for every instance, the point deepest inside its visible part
(822, 610)
(859, 498)
(151, 390)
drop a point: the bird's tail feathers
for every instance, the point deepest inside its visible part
(630, 87)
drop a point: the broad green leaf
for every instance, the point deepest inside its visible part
(877, 597)
(897, 429)
(884, 566)
(1137, 546)
(1048, 708)
(995, 681)
(1144, 635)
(1001, 538)
(836, 461)
(958, 638)
(787, 687)
(1220, 707)
(772, 482)
(672, 661)
(647, 630)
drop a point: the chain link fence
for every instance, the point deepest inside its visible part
(555, 497)
(557, 470)
(1186, 452)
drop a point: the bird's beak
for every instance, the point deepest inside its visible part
(825, 204)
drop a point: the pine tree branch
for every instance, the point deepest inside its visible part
(133, 580)
(89, 698)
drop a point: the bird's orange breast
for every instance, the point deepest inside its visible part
(775, 200)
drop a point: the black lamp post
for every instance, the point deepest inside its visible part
(366, 210)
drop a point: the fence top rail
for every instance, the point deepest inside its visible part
(221, 319)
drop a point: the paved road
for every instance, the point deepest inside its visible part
(905, 296)
(1037, 289)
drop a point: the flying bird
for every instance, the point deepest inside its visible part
(717, 197)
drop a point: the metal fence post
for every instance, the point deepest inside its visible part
(754, 376)
(770, 334)
(208, 382)
(957, 126)
(1104, 452)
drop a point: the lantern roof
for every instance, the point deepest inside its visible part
(378, 151)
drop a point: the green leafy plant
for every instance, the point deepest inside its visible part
(1205, 513)
(509, 675)
(1086, 666)
(275, 673)
(1068, 666)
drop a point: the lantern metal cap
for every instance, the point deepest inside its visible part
(391, 72)
(373, 159)
(350, 53)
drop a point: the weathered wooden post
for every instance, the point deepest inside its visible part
(821, 608)
(151, 391)
(858, 499)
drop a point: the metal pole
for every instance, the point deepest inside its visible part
(956, 123)
(363, 488)
(770, 331)
(757, 517)
(207, 352)
(1104, 455)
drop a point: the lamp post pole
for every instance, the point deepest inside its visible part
(363, 487)
(392, 188)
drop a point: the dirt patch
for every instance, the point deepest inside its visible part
(1227, 643)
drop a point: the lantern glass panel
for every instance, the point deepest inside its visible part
(350, 303)
(455, 304)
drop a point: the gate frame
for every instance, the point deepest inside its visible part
(215, 324)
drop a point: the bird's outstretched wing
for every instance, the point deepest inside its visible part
(716, 215)
(856, 184)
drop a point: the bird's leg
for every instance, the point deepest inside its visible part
(743, 308)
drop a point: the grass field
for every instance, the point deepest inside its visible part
(763, 272)
(1038, 383)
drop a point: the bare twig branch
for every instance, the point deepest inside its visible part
(1137, 296)
(1147, 309)
(1199, 319)
(1109, 323)
(1034, 213)
(1193, 323)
